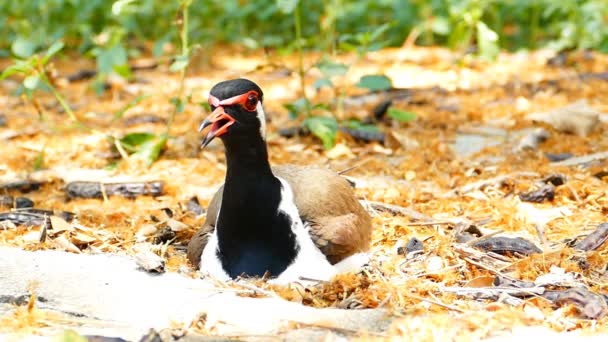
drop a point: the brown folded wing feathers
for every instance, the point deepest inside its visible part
(339, 225)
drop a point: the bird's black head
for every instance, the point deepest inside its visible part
(237, 111)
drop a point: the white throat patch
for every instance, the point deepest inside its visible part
(262, 118)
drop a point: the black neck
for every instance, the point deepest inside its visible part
(253, 236)
(247, 157)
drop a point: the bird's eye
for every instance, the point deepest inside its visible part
(251, 103)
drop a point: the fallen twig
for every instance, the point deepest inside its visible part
(341, 329)
(79, 189)
(256, 289)
(499, 180)
(588, 304)
(436, 302)
(594, 240)
(494, 292)
(599, 156)
(397, 210)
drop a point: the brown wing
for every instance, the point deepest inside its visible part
(199, 240)
(338, 224)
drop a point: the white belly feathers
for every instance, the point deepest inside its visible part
(309, 262)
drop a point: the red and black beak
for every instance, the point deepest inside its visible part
(219, 121)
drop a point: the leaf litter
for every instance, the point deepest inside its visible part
(415, 185)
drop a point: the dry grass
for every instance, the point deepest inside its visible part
(422, 176)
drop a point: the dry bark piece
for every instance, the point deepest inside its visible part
(545, 193)
(594, 240)
(80, 189)
(194, 206)
(16, 203)
(504, 281)
(557, 157)
(530, 141)
(578, 118)
(585, 160)
(414, 245)
(19, 218)
(34, 217)
(504, 245)
(465, 232)
(601, 175)
(555, 179)
(364, 135)
(290, 132)
(164, 235)
(21, 185)
(380, 109)
(589, 304)
(66, 215)
(82, 75)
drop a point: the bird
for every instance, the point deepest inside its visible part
(284, 222)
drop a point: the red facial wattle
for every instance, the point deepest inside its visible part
(219, 120)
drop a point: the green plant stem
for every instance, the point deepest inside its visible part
(66, 107)
(182, 73)
(298, 24)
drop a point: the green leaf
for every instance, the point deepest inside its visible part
(330, 68)
(375, 82)
(52, 50)
(123, 70)
(133, 141)
(150, 150)
(31, 82)
(69, 336)
(23, 48)
(323, 82)
(378, 31)
(19, 67)
(159, 45)
(107, 59)
(180, 63)
(324, 128)
(296, 107)
(487, 41)
(179, 104)
(119, 114)
(287, 6)
(440, 25)
(39, 161)
(356, 124)
(401, 115)
(122, 6)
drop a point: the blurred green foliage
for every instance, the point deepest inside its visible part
(113, 30)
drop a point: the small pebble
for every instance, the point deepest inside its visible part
(433, 265)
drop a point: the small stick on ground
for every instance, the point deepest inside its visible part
(599, 156)
(480, 185)
(341, 329)
(398, 210)
(429, 223)
(436, 302)
(257, 289)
